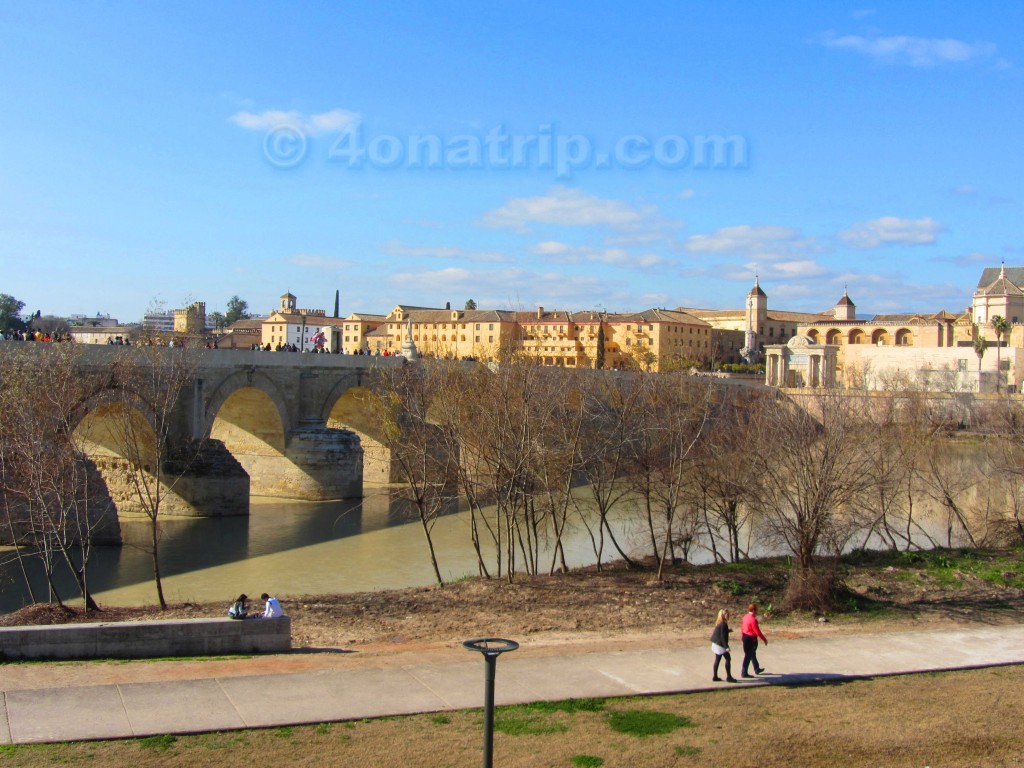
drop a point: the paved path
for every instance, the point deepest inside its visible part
(223, 703)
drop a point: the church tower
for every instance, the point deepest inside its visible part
(288, 303)
(845, 309)
(757, 316)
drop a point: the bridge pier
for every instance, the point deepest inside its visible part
(318, 463)
(328, 463)
(207, 482)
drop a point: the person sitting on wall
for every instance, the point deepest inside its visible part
(273, 609)
(239, 609)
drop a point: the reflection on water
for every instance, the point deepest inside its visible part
(193, 550)
(300, 548)
(290, 548)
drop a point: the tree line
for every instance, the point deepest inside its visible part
(693, 466)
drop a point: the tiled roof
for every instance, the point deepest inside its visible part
(989, 275)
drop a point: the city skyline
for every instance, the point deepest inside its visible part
(574, 158)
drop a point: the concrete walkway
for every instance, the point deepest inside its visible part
(212, 704)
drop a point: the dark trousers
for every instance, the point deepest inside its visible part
(728, 665)
(750, 653)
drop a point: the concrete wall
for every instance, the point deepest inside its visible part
(934, 367)
(146, 639)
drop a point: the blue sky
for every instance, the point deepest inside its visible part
(193, 151)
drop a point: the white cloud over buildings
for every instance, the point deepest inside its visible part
(564, 206)
(891, 230)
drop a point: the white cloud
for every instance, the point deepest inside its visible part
(568, 207)
(779, 270)
(763, 242)
(915, 51)
(793, 269)
(891, 230)
(311, 125)
(562, 253)
(394, 248)
(687, 194)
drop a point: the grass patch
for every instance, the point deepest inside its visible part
(526, 720)
(686, 750)
(586, 761)
(284, 732)
(641, 723)
(733, 587)
(220, 740)
(322, 728)
(441, 720)
(568, 705)
(160, 743)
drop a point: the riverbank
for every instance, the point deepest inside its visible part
(617, 606)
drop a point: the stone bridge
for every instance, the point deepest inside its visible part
(297, 424)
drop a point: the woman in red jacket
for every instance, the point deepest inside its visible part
(750, 631)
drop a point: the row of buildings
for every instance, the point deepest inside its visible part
(799, 349)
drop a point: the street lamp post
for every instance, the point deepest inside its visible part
(491, 648)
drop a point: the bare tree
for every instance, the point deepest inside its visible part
(811, 464)
(402, 399)
(671, 418)
(612, 404)
(48, 502)
(149, 382)
(724, 478)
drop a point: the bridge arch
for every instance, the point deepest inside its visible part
(248, 379)
(348, 406)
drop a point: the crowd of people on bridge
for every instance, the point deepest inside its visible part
(36, 336)
(316, 349)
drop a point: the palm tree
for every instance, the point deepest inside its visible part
(979, 350)
(1000, 325)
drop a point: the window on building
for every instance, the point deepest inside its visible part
(490, 326)
(476, 339)
(961, 364)
(490, 339)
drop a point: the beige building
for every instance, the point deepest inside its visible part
(289, 325)
(453, 333)
(115, 334)
(655, 339)
(190, 321)
(743, 333)
(932, 351)
(354, 335)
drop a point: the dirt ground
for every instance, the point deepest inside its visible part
(616, 608)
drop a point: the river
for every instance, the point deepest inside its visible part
(294, 548)
(290, 548)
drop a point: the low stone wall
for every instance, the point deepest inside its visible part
(146, 639)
